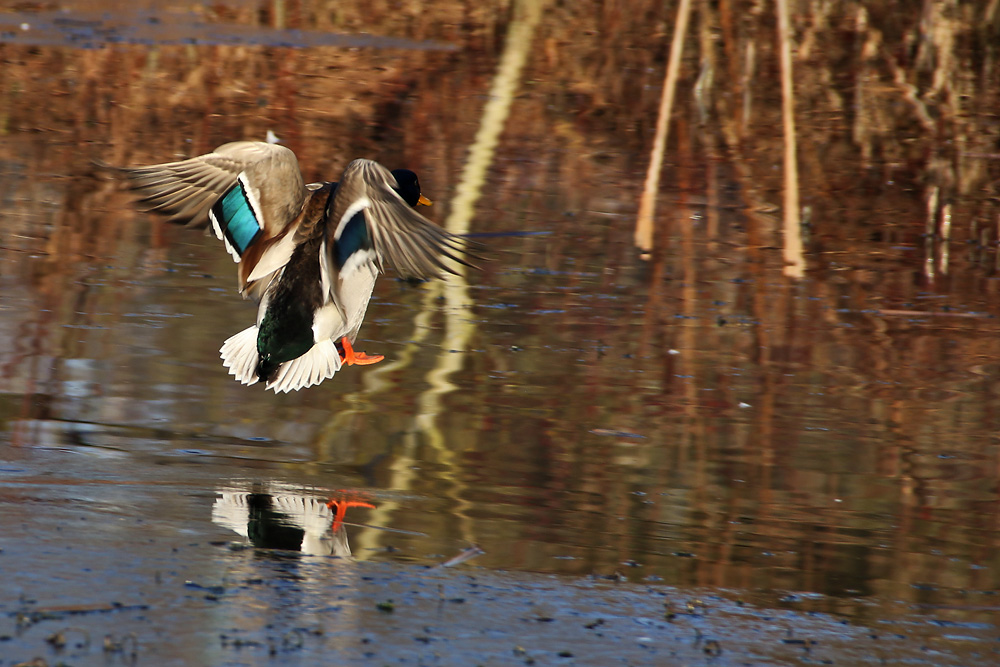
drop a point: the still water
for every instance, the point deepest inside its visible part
(698, 422)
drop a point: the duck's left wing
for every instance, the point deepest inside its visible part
(412, 244)
(186, 191)
(251, 192)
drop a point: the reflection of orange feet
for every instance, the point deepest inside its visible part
(339, 506)
(349, 357)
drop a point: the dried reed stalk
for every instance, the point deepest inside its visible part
(794, 260)
(647, 203)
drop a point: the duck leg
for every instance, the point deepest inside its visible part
(349, 357)
(340, 509)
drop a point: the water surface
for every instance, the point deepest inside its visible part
(697, 425)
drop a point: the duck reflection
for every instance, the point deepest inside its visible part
(271, 515)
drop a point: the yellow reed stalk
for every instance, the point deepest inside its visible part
(647, 203)
(794, 260)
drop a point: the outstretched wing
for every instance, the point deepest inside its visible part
(185, 191)
(250, 192)
(412, 244)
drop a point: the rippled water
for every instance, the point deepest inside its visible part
(697, 421)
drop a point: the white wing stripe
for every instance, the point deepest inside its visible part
(356, 207)
(253, 197)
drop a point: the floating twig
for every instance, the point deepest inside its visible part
(468, 554)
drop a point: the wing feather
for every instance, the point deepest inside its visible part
(184, 191)
(412, 244)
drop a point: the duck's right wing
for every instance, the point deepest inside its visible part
(415, 246)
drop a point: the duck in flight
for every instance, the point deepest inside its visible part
(308, 254)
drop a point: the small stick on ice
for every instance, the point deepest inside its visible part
(467, 554)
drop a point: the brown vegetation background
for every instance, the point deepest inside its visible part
(835, 434)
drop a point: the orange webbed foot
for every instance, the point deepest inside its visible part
(349, 357)
(340, 505)
(362, 359)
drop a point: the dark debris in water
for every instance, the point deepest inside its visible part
(27, 618)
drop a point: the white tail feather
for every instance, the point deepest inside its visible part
(239, 355)
(318, 364)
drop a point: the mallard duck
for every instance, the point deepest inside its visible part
(309, 254)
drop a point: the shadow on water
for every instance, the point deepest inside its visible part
(689, 459)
